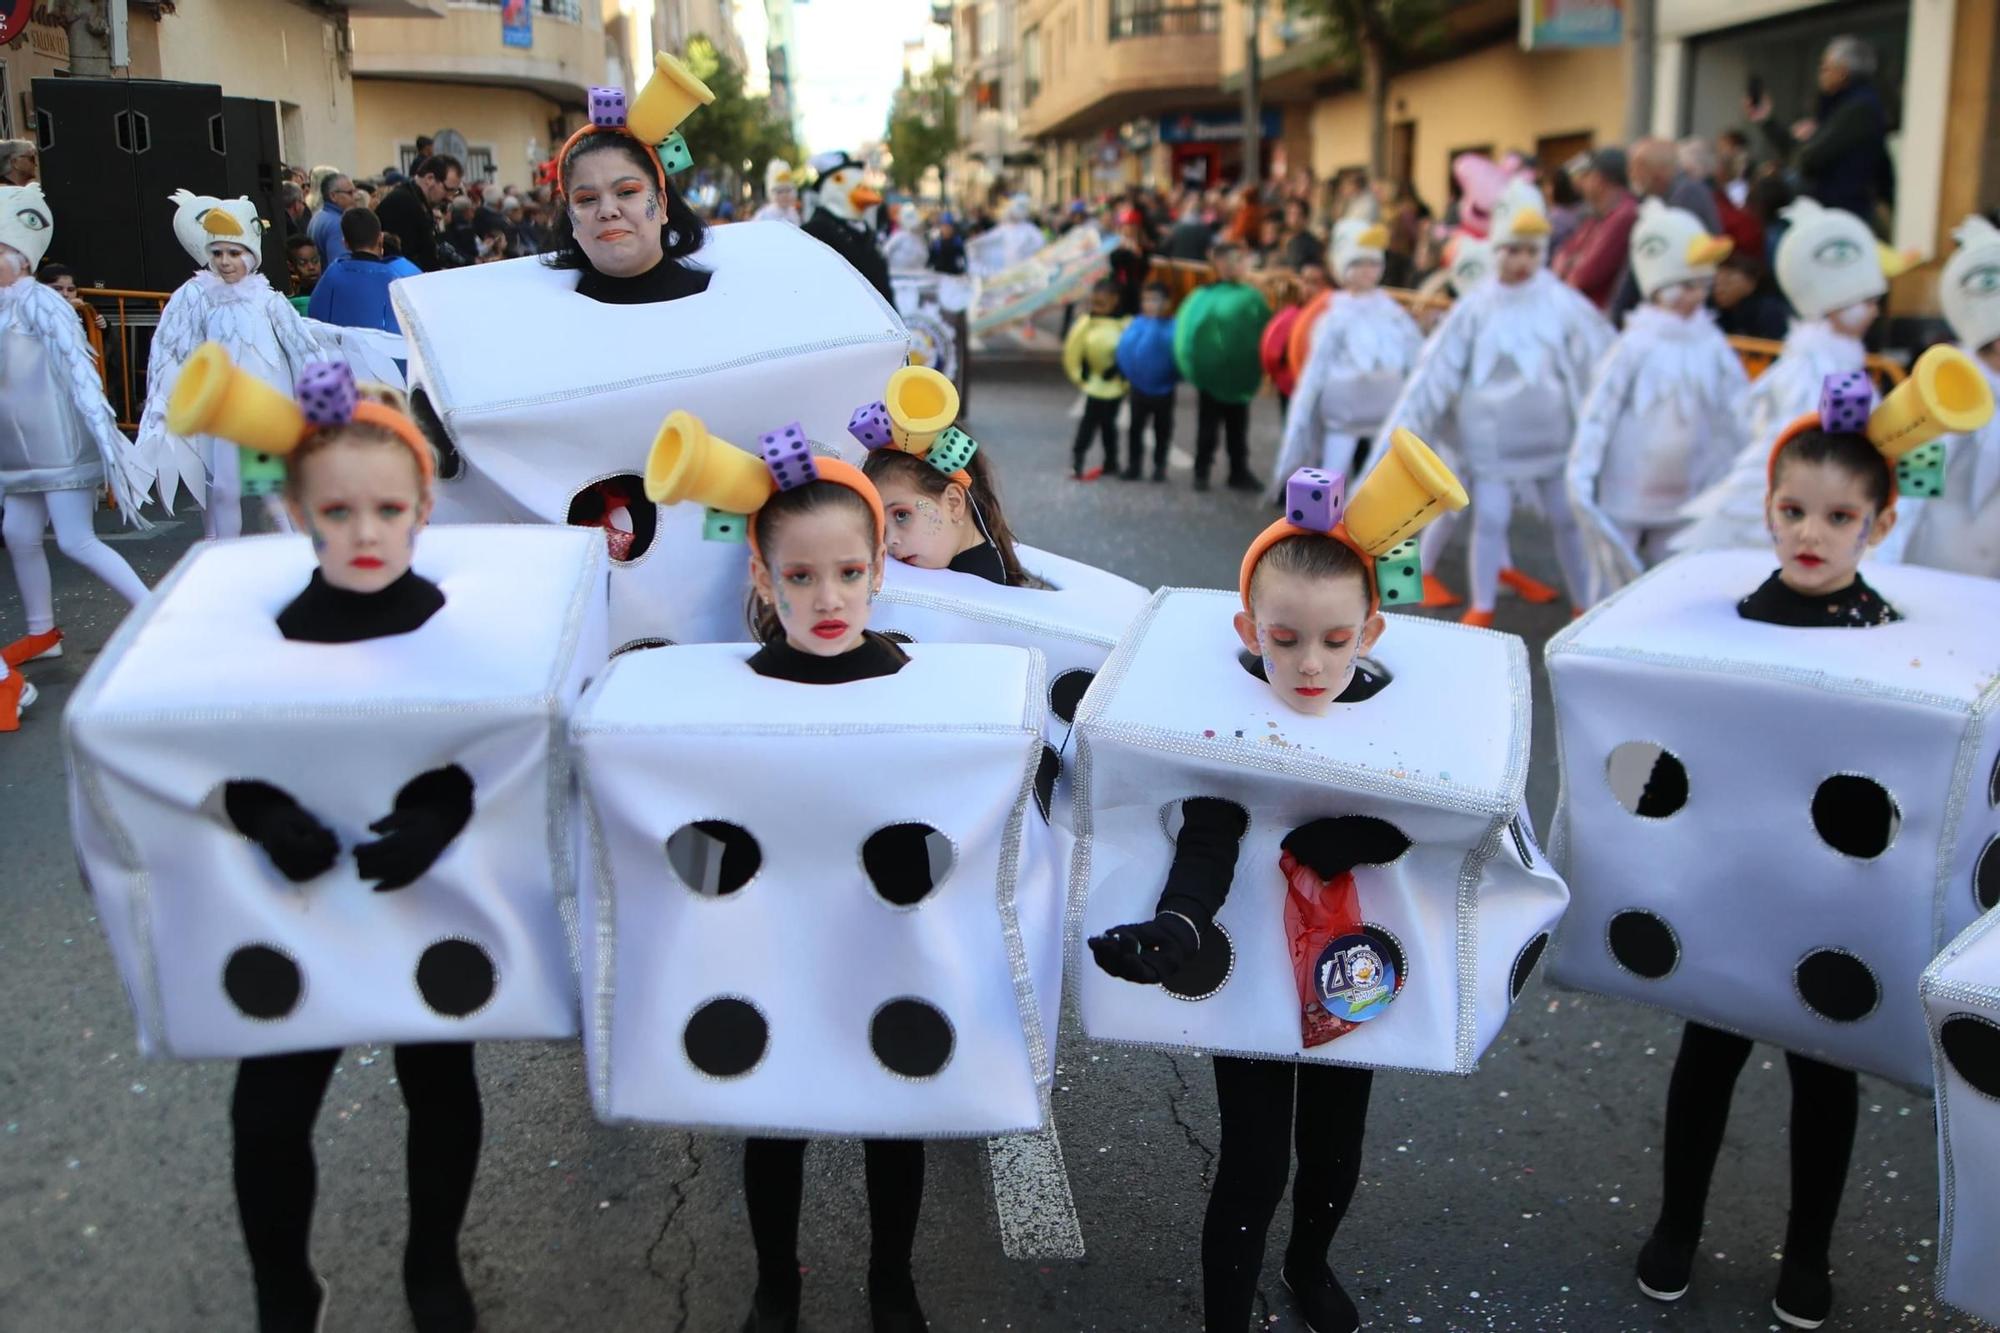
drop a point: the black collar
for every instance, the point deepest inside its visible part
(668, 280)
(873, 656)
(1368, 681)
(326, 614)
(1856, 606)
(983, 560)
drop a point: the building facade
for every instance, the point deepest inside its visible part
(994, 67)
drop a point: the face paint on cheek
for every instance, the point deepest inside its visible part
(784, 606)
(318, 539)
(1867, 529)
(652, 207)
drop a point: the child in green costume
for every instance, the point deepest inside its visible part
(1216, 347)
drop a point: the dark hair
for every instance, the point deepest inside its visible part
(766, 522)
(360, 228)
(300, 242)
(1769, 196)
(1160, 287)
(1312, 556)
(683, 233)
(1852, 454)
(1107, 286)
(1224, 250)
(51, 271)
(887, 464)
(439, 165)
(1747, 262)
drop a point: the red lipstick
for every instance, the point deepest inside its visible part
(1310, 691)
(365, 562)
(830, 629)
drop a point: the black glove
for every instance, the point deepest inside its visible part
(431, 809)
(1331, 846)
(1148, 952)
(299, 845)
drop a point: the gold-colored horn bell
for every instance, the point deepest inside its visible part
(1408, 488)
(922, 403)
(213, 396)
(687, 463)
(1946, 394)
(669, 97)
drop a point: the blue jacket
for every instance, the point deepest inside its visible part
(325, 232)
(1146, 356)
(354, 291)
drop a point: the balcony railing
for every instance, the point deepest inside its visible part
(1164, 18)
(569, 10)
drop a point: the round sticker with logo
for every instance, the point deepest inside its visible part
(1353, 979)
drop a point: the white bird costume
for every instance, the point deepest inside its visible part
(59, 440)
(1660, 422)
(1505, 377)
(1362, 348)
(905, 248)
(262, 333)
(1013, 241)
(1827, 264)
(778, 179)
(1960, 529)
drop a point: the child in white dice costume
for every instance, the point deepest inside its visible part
(229, 302)
(358, 482)
(1311, 613)
(1661, 420)
(59, 441)
(1830, 498)
(1505, 377)
(1834, 273)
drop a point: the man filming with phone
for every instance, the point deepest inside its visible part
(1840, 152)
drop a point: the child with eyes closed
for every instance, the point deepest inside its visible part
(1830, 498)
(816, 534)
(358, 476)
(1311, 615)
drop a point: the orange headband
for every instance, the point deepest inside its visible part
(398, 425)
(1285, 528)
(569, 144)
(840, 474)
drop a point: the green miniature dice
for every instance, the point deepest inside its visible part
(719, 525)
(1399, 575)
(262, 474)
(1920, 472)
(674, 154)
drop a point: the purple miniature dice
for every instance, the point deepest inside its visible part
(1844, 403)
(607, 108)
(326, 393)
(870, 425)
(1313, 499)
(789, 456)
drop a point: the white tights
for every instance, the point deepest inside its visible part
(28, 514)
(1493, 510)
(222, 516)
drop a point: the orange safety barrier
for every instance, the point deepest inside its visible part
(123, 369)
(1758, 353)
(1279, 286)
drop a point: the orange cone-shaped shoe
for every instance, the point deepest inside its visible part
(1436, 594)
(1477, 619)
(15, 695)
(32, 648)
(1531, 590)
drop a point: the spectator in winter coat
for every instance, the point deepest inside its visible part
(354, 290)
(336, 195)
(1841, 152)
(1593, 262)
(406, 210)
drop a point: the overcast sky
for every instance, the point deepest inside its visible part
(850, 60)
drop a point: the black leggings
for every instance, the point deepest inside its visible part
(1259, 1129)
(774, 1181)
(1824, 1107)
(1215, 418)
(1100, 418)
(1159, 411)
(276, 1101)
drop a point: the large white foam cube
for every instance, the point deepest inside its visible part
(563, 395)
(1961, 995)
(812, 999)
(1441, 753)
(1729, 787)
(220, 953)
(1074, 623)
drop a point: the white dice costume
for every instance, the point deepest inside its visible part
(1828, 264)
(1660, 422)
(511, 410)
(1361, 349)
(1504, 377)
(59, 441)
(1961, 994)
(1960, 529)
(263, 334)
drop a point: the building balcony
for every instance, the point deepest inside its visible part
(566, 55)
(1150, 57)
(397, 9)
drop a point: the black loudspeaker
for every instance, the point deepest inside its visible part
(112, 151)
(250, 165)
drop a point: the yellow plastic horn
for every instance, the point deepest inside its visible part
(1945, 395)
(215, 397)
(1407, 489)
(687, 463)
(668, 98)
(922, 403)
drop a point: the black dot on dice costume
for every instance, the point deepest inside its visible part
(262, 982)
(1972, 1048)
(726, 1037)
(455, 977)
(1524, 965)
(1643, 944)
(911, 1037)
(1837, 986)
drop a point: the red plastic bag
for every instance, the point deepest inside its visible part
(1342, 975)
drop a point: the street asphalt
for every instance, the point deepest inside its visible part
(1513, 1199)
